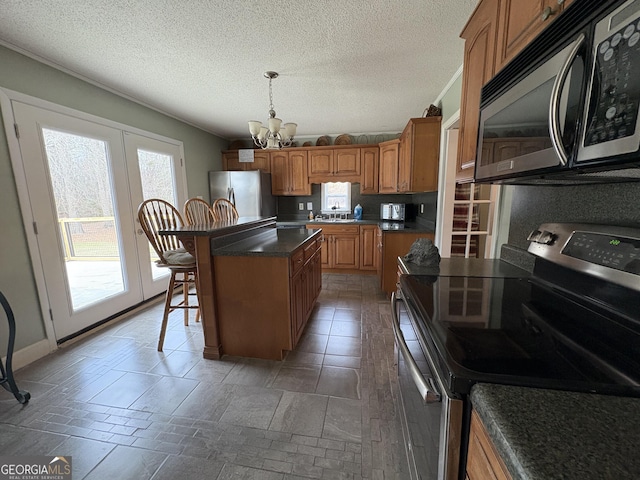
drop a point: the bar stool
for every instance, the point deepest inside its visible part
(155, 215)
(224, 210)
(197, 211)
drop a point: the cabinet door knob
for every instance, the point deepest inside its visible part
(547, 12)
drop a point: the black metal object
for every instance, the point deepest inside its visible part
(6, 379)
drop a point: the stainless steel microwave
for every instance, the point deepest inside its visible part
(566, 109)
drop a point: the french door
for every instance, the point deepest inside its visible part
(85, 180)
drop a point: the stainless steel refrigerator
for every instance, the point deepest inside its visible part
(249, 191)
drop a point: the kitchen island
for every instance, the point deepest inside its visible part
(257, 284)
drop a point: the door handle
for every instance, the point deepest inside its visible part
(425, 385)
(554, 107)
(140, 231)
(547, 12)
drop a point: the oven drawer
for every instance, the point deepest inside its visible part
(431, 420)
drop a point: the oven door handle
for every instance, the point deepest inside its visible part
(426, 386)
(554, 107)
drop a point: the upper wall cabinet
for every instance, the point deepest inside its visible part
(293, 170)
(338, 165)
(520, 21)
(231, 161)
(289, 175)
(496, 32)
(389, 159)
(410, 164)
(370, 169)
(479, 35)
(419, 155)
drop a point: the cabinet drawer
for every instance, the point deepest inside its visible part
(310, 249)
(333, 229)
(297, 261)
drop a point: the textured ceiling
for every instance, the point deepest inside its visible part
(346, 66)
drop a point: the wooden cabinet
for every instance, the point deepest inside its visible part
(410, 164)
(263, 303)
(338, 165)
(370, 158)
(306, 284)
(340, 247)
(519, 22)
(289, 175)
(419, 155)
(479, 35)
(294, 169)
(391, 245)
(389, 160)
(483, 461)
(496, 32)
(368, 247)
(261, 161)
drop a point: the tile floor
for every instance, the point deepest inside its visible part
(123, 410)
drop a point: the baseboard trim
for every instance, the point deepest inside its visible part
(38, 350)
(29, 354)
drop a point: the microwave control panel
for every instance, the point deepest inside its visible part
(615, 90)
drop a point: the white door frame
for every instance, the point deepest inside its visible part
(500, 217)
(6, 96)
(446, 177)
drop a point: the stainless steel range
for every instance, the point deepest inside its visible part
(574, 324)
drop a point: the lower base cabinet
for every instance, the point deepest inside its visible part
(306, 284)
(264, 303)
(368, 248)
(392, 245)
(483, 460)
(340, 247)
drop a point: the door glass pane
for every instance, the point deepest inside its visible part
(81, 180)
(156, 176)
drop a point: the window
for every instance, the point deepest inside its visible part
(336, 197)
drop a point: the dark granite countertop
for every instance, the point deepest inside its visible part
(273, 242)
(550, 434)
(467, 267)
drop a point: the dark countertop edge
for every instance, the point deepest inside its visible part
(285, 242)
(553, 434)
(327, 222)
(220, 228)
(409, 226)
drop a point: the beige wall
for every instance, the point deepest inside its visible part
(25, 75)
(450, 101)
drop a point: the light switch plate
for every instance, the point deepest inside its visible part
(301, 206)
(309, 205)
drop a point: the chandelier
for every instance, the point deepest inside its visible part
(276, 135)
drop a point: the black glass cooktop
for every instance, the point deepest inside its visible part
(522, 332)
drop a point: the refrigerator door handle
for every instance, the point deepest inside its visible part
(232, 196)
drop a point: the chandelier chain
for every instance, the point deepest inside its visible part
(270, 96)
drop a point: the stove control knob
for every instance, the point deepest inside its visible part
(546, 238)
